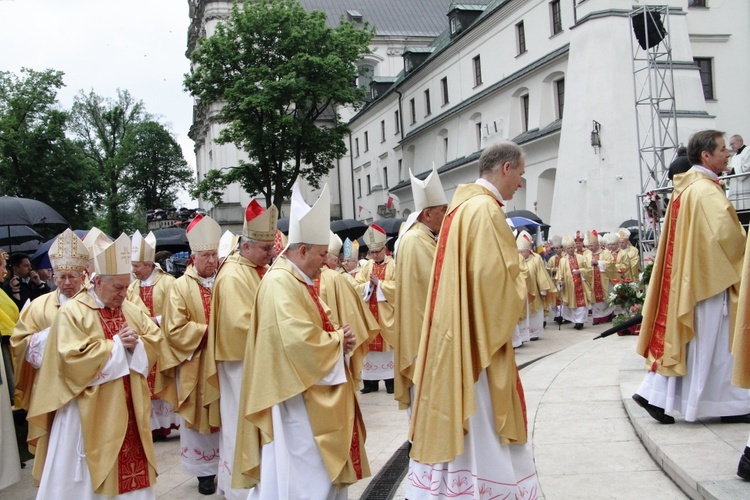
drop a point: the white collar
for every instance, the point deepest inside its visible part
(62, 299)
(306, 277)
(150, 280)
(710, 173)
(487, 184)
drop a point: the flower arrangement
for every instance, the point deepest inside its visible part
(652, 204)
(629, 295)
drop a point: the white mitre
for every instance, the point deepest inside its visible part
(68, 253)
(115, 258)
(310, 224)
(144, 248)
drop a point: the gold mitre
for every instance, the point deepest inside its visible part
(334, 244)
(592, 238)
(310, 224)
(567, 242)
(115, 258)
(144, 249)
(203, 234)
(260, 225)
(227, 243)
(524, 241)
(427, 193)
(68, 253)
(624, 234)
(96, 241)
(375, 237)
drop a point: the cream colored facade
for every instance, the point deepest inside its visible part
(568, 183)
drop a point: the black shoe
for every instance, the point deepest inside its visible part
(369, 386)
(655, 412)
(736, 419)
(558, 320)
(389, 386)
(743, 469)
(207, 485)
(578, 326)
(565, 321)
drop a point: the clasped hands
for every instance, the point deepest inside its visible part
(129, 337)
(349, 340)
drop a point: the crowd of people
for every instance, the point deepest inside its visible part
(258, 351)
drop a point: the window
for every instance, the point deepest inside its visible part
(705, 65)
(427, 106)
(385, 177)
(477, 62)
(525, 112)
(367, 142)
(413, 108)
(555, 16)
(359, 188)
(356, 147)
(369, 185)
(454, 25)
(444, 89)
(400, 169)
(560, 87)
(479, 134)
(521, 38)
(445, 150)
(382, 130)
(396, 122)
(697, 3)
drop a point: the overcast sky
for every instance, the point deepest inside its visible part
(138, 45)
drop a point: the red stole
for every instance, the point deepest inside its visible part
(656, 346)
(147, 296)
(132, 464)
(379, 271)
(577, 281)
(598, 290)
(261, 271)
(354, 450)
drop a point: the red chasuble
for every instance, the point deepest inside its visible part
(577, 282)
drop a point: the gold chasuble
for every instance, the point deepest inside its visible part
(741, 342)
(383, 311)
(699, 255)
(628, 263)
(231, 312)
(416, 251)
(537, 282)
(573, 293)
(38, 316)
(347, 308)
(115, 416)
(474, 306)
(598, 289)
(292, 345)
(153, 298)
(185, 323)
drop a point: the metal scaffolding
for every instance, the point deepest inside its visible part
(656, 115)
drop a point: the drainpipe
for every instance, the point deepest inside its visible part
(351, 161)
(400, 115)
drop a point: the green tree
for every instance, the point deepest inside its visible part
(154, 167)
(102, 124)
(276, 69)
(37, 159)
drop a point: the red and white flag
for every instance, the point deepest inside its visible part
(392, 199)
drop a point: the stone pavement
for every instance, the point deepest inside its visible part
(590, 439)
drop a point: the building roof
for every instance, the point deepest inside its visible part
(389, 17)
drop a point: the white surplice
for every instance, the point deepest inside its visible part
(291, 465)
(706, 390)
(486, 468)
(230, 384)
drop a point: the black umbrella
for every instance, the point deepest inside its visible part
(27, 212)
(27, 247)
(173, 239)
(630, 223)
(15, 235)
(524, 213)
(40, 259)
(283, 225)
(391, 226)
(348, 228)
